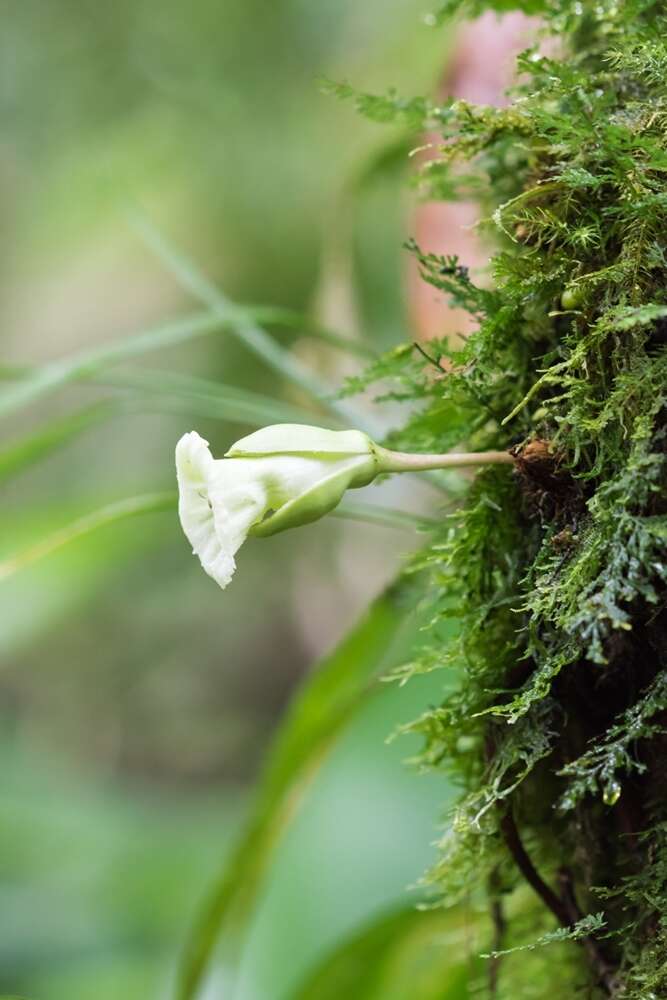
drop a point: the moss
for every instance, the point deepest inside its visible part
(557, 573)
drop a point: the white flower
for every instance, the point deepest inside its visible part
(277, 478)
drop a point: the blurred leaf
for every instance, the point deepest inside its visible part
(152, 503)
(244, 327)
(156, 391)
(54, 435)
(148, 503)
(159, 391)
(253, 336)
(375, 514)
(205, 397)
(32, 383)
(9, 373)
(390, 158)
(275, 316)
(420, 954)
(83, 364)
(325, 704)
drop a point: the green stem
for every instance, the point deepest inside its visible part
(400, 461)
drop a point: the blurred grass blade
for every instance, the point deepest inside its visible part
(244, 326)
(40, 381)
(152, 392)
(209, 398)
(10, 373)
(385, 516)
(148, 503)
(307, 327)
(420, 954)
(253, 336)
(319, 712)
(57, 433)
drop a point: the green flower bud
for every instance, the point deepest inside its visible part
(571, 298)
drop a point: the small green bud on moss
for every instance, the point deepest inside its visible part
(571, 298)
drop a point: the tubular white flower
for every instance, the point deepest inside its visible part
(277, 478)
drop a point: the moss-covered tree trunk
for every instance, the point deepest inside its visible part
(558, 570)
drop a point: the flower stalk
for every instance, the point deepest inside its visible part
(402, 461)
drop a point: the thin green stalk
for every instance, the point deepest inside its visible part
(47, 378)
(384, 516)
(148, 503)
(244, 327)
(207, 397)
(53, 435)
(399, 461)
(275, 316)
(151, 503)
(151, 392)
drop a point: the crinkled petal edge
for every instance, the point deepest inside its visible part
(194, 468)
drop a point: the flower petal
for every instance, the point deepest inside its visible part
(301, 439)
(323, 485)
(216, 510)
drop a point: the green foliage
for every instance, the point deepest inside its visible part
(33, 447)
(324, 706)
(29, 386)
(415, 112)
(556, 573)
(119, 662)
(149, 503)
(407, 953)
(590, 924)
(473, 8)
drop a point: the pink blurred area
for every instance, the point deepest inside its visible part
(480, 72)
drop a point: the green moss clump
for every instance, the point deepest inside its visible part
(557, 573)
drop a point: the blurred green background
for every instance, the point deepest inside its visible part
(137, 699)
